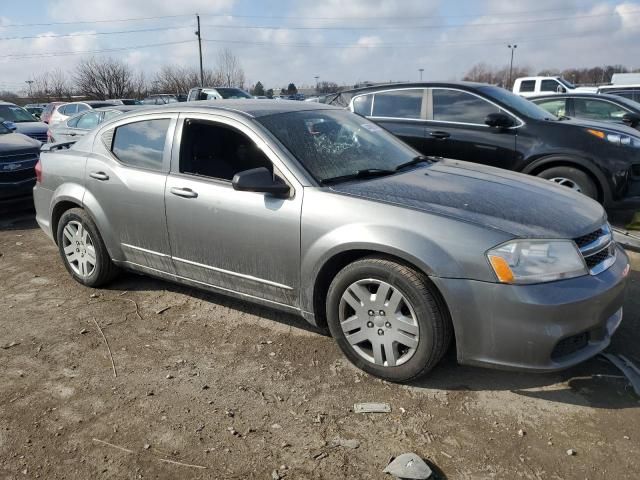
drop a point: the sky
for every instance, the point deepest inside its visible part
(345, 41)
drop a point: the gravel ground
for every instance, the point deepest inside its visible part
(215, 388)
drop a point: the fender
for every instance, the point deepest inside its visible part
(105, 227)
(583, 163)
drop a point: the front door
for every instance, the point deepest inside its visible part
(125, 180)
(456, 121)
(244, 242)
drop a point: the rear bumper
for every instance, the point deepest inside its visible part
(42, 201)
(543, 327)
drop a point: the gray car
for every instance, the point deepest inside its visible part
(314, 210)
(75, 127)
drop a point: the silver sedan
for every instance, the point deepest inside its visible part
(75, 127)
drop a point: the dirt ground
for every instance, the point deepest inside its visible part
(216, 388)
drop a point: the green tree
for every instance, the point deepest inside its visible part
(258, 89)
(270, 93)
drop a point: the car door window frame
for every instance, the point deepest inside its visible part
(423, 105)
(166, 155)
(280, 168)
(519, 121)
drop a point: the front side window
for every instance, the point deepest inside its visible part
(70, 109)
(89, 120)
(334, 143)
(597, 109)
(213, 150)
(460, 107)
(141, 144)
(82, 107)
(15, 114)
(549, 86)
(528, 86)
(109, 114)
(362, 105)
(398, 104)
(556, 107)
(232, 93)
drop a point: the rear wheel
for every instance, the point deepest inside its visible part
(572, 178)
(82, 249)
(387, 319)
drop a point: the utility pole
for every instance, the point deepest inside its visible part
(200, 51)
(421, 70)
(512, 48)
(316, 77)
(29, 82)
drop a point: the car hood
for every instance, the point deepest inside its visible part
(14, 143)
(511, 202)
(31, 127)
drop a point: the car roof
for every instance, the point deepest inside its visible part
(92, 102)
(122, 108)
(389, 86)
(594, 96)
(249, 107)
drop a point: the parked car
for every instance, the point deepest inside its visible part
(530, 86)
(34, 110)
(63, 112)
(49, 109)
(161, 99)
(18, 158)
(81, 123)
(124, 101)
(489, 125)
(23, 121)
(313, 210)
(216, 93)
(631, 92)
(592, 106)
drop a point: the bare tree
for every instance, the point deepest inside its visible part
(180, 80)
(327, 87)
(229, 69)
(484, 73)
(52, 85)
(105, 78)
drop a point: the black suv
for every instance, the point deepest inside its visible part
(489, 125)
(18, 157)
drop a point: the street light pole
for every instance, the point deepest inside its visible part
(316, 77)
(512, 48)
(200, 51)
(29, 82)
(421, 70)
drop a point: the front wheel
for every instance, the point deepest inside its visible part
(387, 319)
(572, 178)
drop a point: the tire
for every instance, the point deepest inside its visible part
(573, 178)
(77, 231)
(419, 319)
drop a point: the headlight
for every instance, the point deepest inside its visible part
(616, 138)
(536, 261)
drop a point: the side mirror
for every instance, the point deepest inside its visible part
(561, 89)
(631, 119)
(10, 125)
(259, 180)
(499, 120)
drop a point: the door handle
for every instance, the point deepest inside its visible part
(183, 192)
(99, 176)
(440, 135)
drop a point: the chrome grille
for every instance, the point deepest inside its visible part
(598, 249)
(19, 157)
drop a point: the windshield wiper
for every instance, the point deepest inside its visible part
(365, 173)
(413, 161)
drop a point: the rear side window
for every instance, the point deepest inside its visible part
(398, 104)
(141, 144)
(70, 109)
(528, 86)
(549, 86)
(554, 106)
(597, 109)
(88, 120)
(362, 105)
(460, 107)
(82, 107)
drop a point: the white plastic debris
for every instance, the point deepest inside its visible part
(372, 408)
(409, 465)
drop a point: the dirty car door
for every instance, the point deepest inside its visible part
(126, 175)
(245, 242)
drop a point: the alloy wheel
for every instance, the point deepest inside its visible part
(79, 249)
(567, 182)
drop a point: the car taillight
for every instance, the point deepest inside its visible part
(50, 138)
(38, 169)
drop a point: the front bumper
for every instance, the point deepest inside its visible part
(543, 327)
(16, 190)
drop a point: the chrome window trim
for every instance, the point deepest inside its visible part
(508, 112)
(373, 100)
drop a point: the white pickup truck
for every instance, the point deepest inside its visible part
(532, 86)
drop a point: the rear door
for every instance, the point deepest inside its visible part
(456, 119)
(126, 176)
(401, 111)
(245, 242)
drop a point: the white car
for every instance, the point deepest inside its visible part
(533, 86)
(63, 112)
